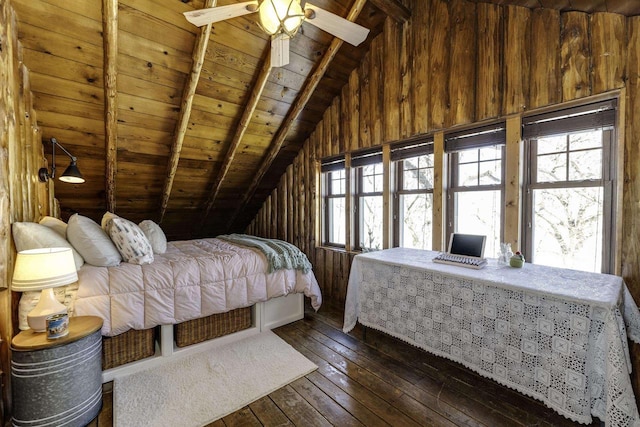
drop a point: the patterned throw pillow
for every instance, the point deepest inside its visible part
(131, 242)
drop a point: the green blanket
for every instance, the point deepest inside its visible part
(280, 254)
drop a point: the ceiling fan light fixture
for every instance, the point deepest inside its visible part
(281, 16)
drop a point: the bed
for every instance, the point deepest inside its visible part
(194, 291)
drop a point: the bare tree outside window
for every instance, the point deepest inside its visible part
(567, 222)
(415, 202)
(370, 209)
(477, 194)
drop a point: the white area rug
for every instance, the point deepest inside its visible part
(198, 389)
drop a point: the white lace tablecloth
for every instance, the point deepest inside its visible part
(557, 335)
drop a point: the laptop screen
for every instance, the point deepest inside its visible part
(467, 244)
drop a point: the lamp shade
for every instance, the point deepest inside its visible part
(44, 268)
(72, 174)
(281, 16)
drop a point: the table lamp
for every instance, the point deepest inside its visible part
(44, 269)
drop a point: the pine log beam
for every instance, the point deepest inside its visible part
(249, 109)
(110, 40)
(296, 108)
(393, 9)
(197, 57)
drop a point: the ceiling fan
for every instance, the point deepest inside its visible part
(281, 19)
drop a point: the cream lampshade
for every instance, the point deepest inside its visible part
(44, 269)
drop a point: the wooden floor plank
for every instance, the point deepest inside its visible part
(332, 411)
(386, 387)
(242, 417)
(298, 410)
(268, 413)
(357, 409)
(378, 405)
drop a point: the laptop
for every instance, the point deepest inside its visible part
(466, 250)
(467, 244)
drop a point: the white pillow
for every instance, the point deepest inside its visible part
(55, 224)
(92, 242)
(31, 235)
(130, 241)
(155, 235)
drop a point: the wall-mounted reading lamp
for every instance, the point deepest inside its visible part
(71, 174)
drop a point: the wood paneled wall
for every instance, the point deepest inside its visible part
(457, 62)
(22, 196)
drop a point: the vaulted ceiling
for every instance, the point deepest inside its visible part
(184, 125)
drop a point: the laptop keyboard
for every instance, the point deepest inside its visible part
(461, 260)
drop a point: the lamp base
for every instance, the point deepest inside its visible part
(47, 306)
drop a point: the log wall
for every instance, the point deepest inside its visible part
(22, 196)
(453, 63)
(458, 62)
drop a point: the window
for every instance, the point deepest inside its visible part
(570, 184)
(476, 176)
(334, 193)
(368, 199)
(413, 200)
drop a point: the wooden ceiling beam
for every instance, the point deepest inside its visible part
(110, 75)
(394, 9)
(296, 108)
(197, 57)
(249, 109)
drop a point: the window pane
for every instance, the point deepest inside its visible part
(583, 140)
(585, 165)
(370, 232)
(466, 156)
(417, 173)
(478, 212)
(567, 228)
(336, 221)
(468, 174)
(416, 220)
(552, 144)
(491, 153)
(552, 168)
(337, 179)
(410, 179)
(490, 173)
(372, 178)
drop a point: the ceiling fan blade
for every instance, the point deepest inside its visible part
(202, 17)
(279, 50)
(333, 24)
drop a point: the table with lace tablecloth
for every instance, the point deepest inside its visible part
(554, 334)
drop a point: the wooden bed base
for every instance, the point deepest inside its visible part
(265, 315)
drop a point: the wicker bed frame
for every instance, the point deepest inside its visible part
(135, 350)
(139, 344)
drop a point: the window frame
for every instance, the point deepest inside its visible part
(474, 139)
(359, 160)
(328, 167)
(607, 181)
(400, 152)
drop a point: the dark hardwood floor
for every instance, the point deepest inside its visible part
(375, 382)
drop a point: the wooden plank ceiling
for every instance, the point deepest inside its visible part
(182, 125)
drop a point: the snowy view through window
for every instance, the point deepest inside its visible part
(415, 202)
(478, 203)
(567, 201)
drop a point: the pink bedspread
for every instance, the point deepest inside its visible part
(194, 278)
